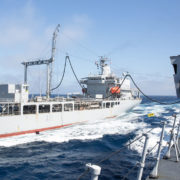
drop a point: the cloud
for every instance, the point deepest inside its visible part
(26, 35)
(13, 35)
(82, 19)
(151, 85)
(17, 27)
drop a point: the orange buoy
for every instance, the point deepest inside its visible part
(115, 90)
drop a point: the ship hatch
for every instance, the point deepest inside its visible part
(175, 68)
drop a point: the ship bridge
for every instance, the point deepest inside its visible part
(98, 86)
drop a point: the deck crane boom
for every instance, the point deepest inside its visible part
(48, 62)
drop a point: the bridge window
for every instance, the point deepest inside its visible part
(175, 68)
(68, 107)
(108, 105)
(44, 108)
(104, 105)
(112, 104)
(57, 108)
(30, 109)
(77, 107)
(7, 109)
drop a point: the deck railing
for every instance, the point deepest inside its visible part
(154, 154)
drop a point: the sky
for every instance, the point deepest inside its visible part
(137, 36)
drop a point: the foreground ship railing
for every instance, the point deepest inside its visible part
(147, 154)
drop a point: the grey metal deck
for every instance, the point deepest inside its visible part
(169, 169)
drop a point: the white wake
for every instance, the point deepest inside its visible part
(127, 123)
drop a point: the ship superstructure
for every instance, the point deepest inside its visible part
(101, 86)
(104, 96)
(175, 61)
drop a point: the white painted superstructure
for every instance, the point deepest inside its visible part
(20, 123)
(99, 101)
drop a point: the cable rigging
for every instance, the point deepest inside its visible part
(126, 76)
(64, 70)
(80, 44)
(151, 99)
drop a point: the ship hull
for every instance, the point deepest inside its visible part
(23, 124)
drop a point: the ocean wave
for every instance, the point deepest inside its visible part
(136, 120)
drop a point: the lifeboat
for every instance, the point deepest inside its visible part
(115, 90)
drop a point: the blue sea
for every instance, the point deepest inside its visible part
(63, 153)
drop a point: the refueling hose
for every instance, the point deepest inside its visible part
(126, 76)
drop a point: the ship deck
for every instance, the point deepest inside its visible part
(169, 169)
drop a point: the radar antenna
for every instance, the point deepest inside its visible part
(102, 62)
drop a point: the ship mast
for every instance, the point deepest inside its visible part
(102, 64)
(48, 62)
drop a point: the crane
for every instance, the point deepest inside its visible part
(48, 62)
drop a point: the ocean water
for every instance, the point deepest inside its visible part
(63, 153)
